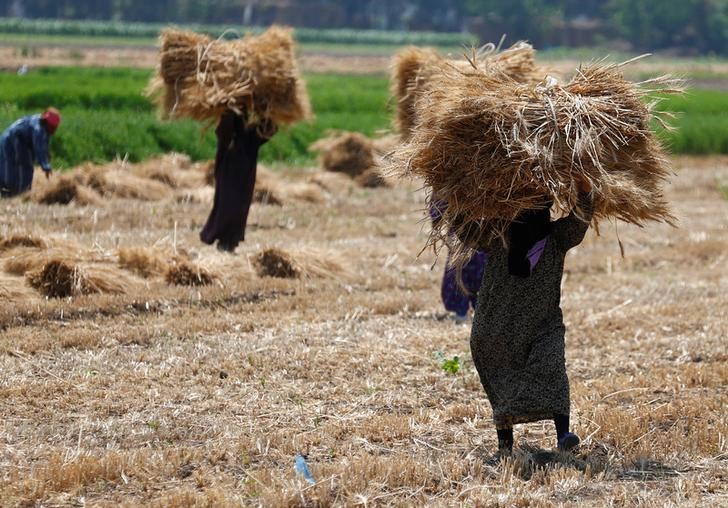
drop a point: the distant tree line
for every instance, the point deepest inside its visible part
(685, 26)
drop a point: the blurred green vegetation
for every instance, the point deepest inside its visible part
(106, 115)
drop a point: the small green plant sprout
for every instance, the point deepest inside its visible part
(449, 365)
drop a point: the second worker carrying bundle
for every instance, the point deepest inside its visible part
(491, 145)
(201, 78)
(250, 87)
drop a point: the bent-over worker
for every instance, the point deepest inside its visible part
(22, 144)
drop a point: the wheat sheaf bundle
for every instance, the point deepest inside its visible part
(491, 147)
(201, 78)
(413, 69)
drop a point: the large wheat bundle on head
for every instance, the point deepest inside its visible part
(491, 147)
(408, 76)
(200, 77)
(414, 67)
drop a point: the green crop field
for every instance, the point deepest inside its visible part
(106, 115)
(135, 33)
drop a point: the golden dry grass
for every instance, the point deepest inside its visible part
(180, 396)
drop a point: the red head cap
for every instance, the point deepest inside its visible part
(52, 119)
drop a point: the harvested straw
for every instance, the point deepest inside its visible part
(335, 183)
(304, 192)
(351, 153)
(31, 259)
(491, 147)
(27, 241)
(414, 67)
(372, 178)
(274, 262)
(144, 261)
(185, 273)
(122, 183)
(14, 290)
(277, 263)
(64, 190)
(173, 170)
(409, 75)
(200, 78)
(268, 188)
(60, 278)
(209, 173)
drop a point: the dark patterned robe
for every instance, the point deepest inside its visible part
(517, 339)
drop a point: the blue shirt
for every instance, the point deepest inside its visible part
(22, 144)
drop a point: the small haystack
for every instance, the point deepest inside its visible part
(372, 178)
(491, 147)
(174, 170)
(64, 190)
(351, 153)
(144, 261)
(277, 263)
(61, 278)
(27, 241)
(186, 273)
(117, 180)
(26, 260)
(304, 192)
(274, 262)
(334, 183)
(14, 290)
(200, 78)
(268, 188)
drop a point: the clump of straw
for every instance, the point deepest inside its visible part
(144, 261)
(372, 178)
(491, 147)
(351, 153)
(185, 273)
(64, 190)
(201, 78)
(122, 183)
(301, 264)
(277, 263)
(60, 278)
(27, 241)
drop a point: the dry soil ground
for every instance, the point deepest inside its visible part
(179, 396)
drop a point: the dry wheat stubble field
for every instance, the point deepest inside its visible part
(179, 396)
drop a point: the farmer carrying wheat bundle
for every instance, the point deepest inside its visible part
(503, 154)
(24, 142)
(249, 86)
